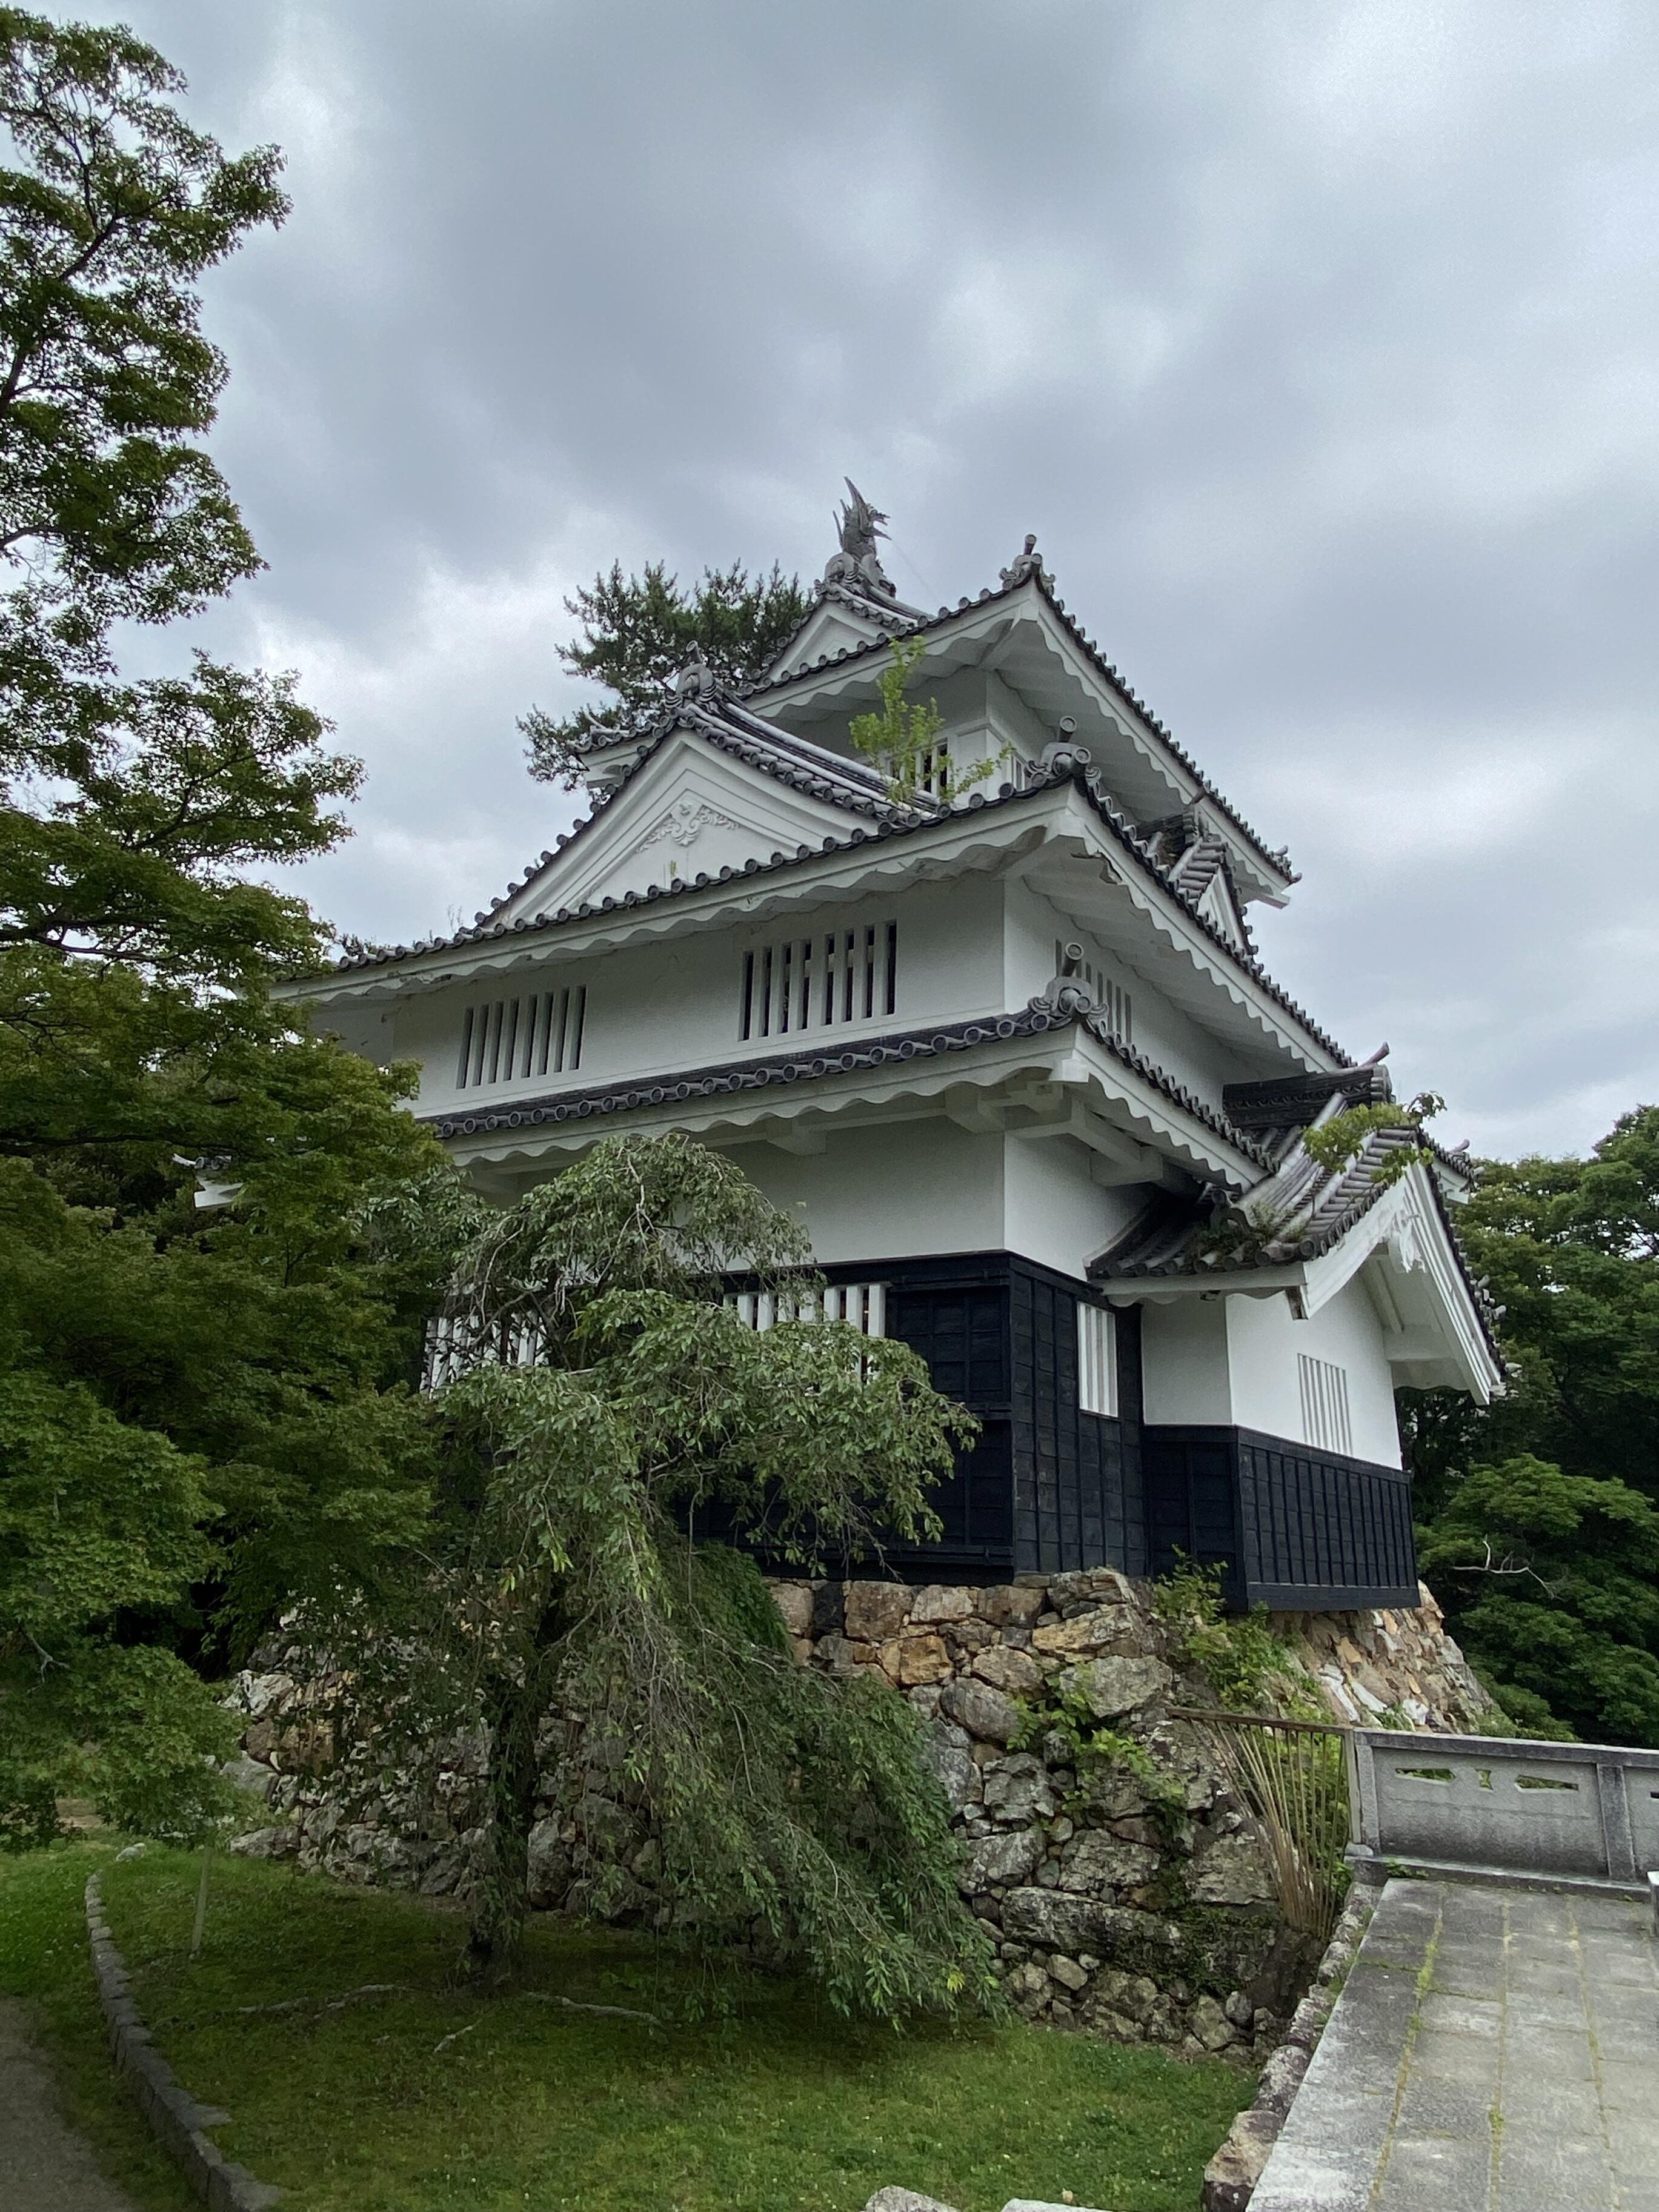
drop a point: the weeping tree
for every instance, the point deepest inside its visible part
(627, 1420)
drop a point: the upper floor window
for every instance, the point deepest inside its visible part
(814, 982)
(1112, 1000)
(1325, 1420)
(504, 1040)
(933, 770)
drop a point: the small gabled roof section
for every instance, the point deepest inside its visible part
(840, 619)
(854, 603)
(714, 785)
(1027, 591)
(1278, 1110)
(1309, 1231)
(1203, 875)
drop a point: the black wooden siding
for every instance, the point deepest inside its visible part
(1047, 1487)
(1298, 1530)
(961, 1329)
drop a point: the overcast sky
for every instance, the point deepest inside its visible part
(1316, 340)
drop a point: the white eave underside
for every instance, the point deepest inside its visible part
(1060, 1083)
(1019, 637)
(1197, 975)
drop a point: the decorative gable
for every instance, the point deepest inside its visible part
(837, 623)
(1220, 908)
(689, 811)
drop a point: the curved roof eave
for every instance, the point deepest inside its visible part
(1203, 1137)
(1276, 861)
(888, 821)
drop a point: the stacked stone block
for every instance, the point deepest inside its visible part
(1144, 1913)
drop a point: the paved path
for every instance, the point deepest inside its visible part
(1493, 2050)
(44, 2165)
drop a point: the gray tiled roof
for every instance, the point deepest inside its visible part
(1174, 1236)
(806, 1062)
(1197, 869)
(1277, 858)
(731, 729)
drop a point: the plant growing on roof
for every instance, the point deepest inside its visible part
(903, 740)
(1336, 1143)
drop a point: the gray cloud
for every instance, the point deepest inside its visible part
(1317, 344)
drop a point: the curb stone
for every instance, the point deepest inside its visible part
(1230, 2177)
(893, 2199)
(176, 2119)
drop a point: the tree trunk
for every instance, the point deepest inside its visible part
(515, 1705)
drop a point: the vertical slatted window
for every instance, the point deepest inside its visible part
(1096, 1360)
(1325, 1420)
(863, 1305)
(504, 1040)
(836, 975)
(1112, 1000)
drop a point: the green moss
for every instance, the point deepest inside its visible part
(779, 2103)
(1223, 1948)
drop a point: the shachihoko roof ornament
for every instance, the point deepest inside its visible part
(860, 524)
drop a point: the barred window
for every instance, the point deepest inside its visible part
(1325, 1421)
(504, 1040)
(863, 1305)
(1096, 1360)
(819, 981)
(1112, 1000)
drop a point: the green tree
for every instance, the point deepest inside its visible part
(902, 737)
(108, 509)
(563, 1571)
(1555, 1483)
(638, 632)
(1554, 1583)
(201, 1414)
(204, 1418)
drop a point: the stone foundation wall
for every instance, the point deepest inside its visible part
(1132, 1900)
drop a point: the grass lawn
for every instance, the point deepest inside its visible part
(781, 2108)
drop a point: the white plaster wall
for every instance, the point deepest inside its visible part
(1263, 1340)
(1183, 1351)
(1162, 1031)
(1030, 926)
(1183, 1050)
(980, 715)
(1053, 1212)
(654, 1009)
(893, 1193)
(368, 1031)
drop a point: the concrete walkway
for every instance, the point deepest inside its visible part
(1493, 2050)
(44, 2165)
